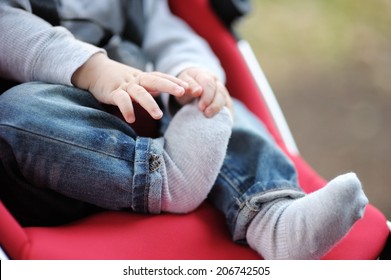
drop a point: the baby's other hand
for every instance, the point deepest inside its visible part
(212, 94)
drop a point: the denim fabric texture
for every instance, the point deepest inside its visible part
(58, 139)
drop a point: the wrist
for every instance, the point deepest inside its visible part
(86, 74)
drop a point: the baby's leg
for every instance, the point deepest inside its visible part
(308, 227)
(194, 150)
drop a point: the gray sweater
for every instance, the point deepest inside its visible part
(33, 50)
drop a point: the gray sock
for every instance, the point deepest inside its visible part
(308, 227)
(194, 150)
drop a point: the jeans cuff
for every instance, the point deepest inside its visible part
(147, 180)
(252, 205)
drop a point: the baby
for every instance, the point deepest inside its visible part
(68, 150)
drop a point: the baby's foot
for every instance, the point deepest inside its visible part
(194, 150)
(308, 227)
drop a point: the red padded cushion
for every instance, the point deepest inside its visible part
(199, 235)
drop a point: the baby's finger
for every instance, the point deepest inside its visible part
(172, 78)
(208, 84)
(185, 99)
(145, 99)
(216, 105)
(122, 100)
(155, 83)
(194, 89)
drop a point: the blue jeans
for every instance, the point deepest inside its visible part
(63, 156)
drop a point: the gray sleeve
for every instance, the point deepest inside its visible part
(33, 50)
(172, 45)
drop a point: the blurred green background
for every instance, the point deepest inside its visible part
(329, 64)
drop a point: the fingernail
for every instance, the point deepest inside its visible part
(209, 112)
(179, 90)
(157, 114)
(197, 90)
(130, 119)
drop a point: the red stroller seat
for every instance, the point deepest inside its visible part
(201, 234)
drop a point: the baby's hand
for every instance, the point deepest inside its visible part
(114, 83)
(212, 94)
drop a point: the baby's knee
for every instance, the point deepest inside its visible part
(21, 103)
(26, 98)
